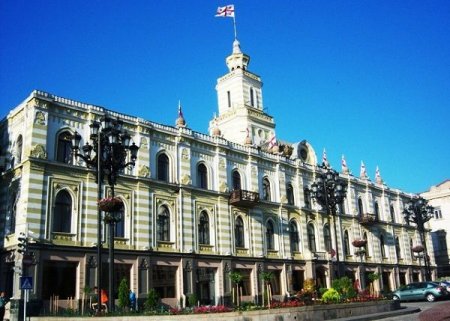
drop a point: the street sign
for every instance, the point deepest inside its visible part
(26, 282)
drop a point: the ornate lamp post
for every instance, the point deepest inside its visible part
(329, 190)
(111, 145)
(419, 212)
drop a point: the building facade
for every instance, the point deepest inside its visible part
(439, 197)
(196, 206)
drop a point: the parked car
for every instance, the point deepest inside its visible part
(429, 291)
(445, 284)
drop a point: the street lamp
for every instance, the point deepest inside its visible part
(329, 190)
(419, 212)
(111, 145)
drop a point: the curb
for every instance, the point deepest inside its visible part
(381, 315)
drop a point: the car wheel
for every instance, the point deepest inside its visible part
(395, 298)
(430, 297)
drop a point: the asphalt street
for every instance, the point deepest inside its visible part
(415, 316)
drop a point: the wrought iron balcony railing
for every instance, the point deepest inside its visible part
(368, 219)
(243, 198)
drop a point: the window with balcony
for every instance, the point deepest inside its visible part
(203, 228)
(239, 232)
(311, 238)
(265, 189)
(377, 210)
(62, 216)
(64, 147)
(236, 180)
(327, 237)
(360, 207)
(163, 168)
(293, 236)
(202, 176)
(163, 224)
(270, 235)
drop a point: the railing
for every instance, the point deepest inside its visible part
(242, 197)
(368, 219)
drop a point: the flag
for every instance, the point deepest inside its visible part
(363, 173)
(227, 11)
(344, 165)
(180, 113)
(324, 158)
(272, 141)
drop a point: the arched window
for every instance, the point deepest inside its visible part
(19, 147)
(163, 167)
(270, 235)
(383, 250)
(346, 243)
(397, 248)
(120, 226)
(64, 147)
(265, 189)
(311, 238)
(203, 228)
(202, 176)
(360, 207)
(327, 237)
(236, 177)
(377, 210)
(239, 232)
(163, 224)
(290, 194)
(307, 196)
(62, 217)
(392, 212)
(293, 236)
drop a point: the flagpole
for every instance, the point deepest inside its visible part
(234, 25)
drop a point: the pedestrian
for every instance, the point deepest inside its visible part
(104, 299)
(2, 305)
(132, 300)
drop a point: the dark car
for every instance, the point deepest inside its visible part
(429, 291)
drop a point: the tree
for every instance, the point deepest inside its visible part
(236, 277)
(267, 291)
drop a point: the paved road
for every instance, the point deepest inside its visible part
(415, 316)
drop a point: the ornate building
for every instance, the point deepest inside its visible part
(439, 197)
(196, 206)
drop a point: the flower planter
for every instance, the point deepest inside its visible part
(110, 204)
(417, 248)
(359, 243)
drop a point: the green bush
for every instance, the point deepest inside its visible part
(344, 286)
(124, 294)
(151, 303)
(192, 299)
(331, 296)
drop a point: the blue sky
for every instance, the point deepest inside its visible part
(367, 79)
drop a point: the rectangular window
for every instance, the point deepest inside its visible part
(229, 98)
(245, 284)
(437, 213)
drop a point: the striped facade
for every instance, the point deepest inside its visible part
(274, 233)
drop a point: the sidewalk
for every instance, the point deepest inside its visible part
(382, 315)
(437, 313)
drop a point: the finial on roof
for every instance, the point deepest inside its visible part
(180, 120)
(236, 47)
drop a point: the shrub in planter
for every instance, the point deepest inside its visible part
(151, 303)
(331, 296)
(192, 299)
(417, 249)
(344, 286)
(124, 294)
(359, 243)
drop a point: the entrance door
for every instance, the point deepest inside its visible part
(205, 285)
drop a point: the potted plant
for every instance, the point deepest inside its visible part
(417, 248)
(359, 243)
(110, 204)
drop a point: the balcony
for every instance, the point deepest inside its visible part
(243, 198)
(368, 219)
